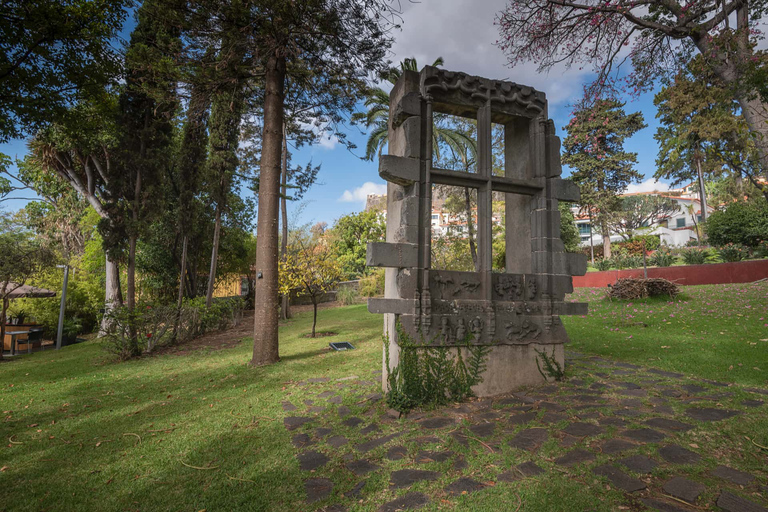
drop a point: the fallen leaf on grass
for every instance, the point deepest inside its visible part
(2, 469)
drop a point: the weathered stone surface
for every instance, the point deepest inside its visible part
(382, 254)
(613, 446)
(679, 455)
(397, 452)
(410, 501)
(398, 169)
(529, 439)
(322, 432)
(375, 443)
(582, 429)
(732, 503)
(551, 406)
(294, 422)
(337, 441)
(644, 435)
(288, 406)
(357, 491)
(317, 380)
(732, 475)
(312, 460)
(482, 429)
(668, 424)
(362, 467)
(574, 457)
(408, 477)
(463, 485)
(529, 469)
(639, 463)
(619, 478)
(752, 403)
(427, 456)
(343, 411)
(352, 422)
(671, 393)
(301, 440)
(671, 375)
(614, 422)
(684, 489)
(318, 488)
(710, 413)
(428, 440)
(373, 427)
(439, 422)
(521, 419)
(336, 400)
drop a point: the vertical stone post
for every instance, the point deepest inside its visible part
(517, 208)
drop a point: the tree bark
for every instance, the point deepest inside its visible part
(702, 189)
(265, 335)
(214, 257)
(471, 228)
(180, 299)
(285, 312)
(2, 327)
(606, 241)
(314, 314)
(113, 296)
(591, 241)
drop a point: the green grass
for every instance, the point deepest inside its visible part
(100, 435)
(717, 332)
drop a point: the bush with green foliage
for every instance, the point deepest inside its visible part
(663, 257)
(347, 296)
(433, 376)
(569, 233)
(732, 252)
(694, 256)
(372, 285)
(604, 264)
(598, 249)
(635, 245)
(761, 251)
(743, 222)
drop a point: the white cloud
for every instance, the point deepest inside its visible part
(360, 194)
(328, 141)
(649, 185)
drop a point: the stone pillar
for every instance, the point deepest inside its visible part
(517, 208)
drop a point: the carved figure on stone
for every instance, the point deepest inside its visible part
(468, 286)
(461, 331)
(509, 287)
(443, 283)
(445, 331)
(533, 288)
(476, 327)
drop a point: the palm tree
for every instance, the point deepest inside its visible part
(377, 119)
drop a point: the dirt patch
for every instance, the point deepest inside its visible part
(215, 340)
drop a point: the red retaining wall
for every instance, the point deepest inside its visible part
(716, 273)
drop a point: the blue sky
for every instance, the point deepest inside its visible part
(462, 32)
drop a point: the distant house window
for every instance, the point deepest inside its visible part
(698, 218)
(435, 216)
(584, 229)
(681, 222)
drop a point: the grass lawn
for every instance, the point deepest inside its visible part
(716, 332)
(203, 431)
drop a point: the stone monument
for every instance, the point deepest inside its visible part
(517, 312)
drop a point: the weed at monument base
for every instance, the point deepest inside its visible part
(432, 376)
(552, 369)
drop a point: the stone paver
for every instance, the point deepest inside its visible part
(732, 503)
(678, 455)
(343, 410)
(613, 446)
(301, 440)
(410, 501)
(732, 475)
(639, 463)
(521, 419)
(440, 422)
(684, 489)
(294, 422)
(463, 485)
(337, 441)
(311, 460)
(357, 491)
(362, 467)
(408, 477)
(529, 439)
(427, 457)
(375, 443)
(288, 406)
(576, 456)
(644, 435)
(668, 424)
(482, 429)
(710, 413)
(619, 478)
(318, 488)
(397, 452)
(752, 403)
(352, 422)
(582, 429)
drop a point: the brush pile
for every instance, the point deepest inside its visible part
(630, 288)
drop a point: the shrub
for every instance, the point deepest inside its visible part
(762, 249)
(603, 264)
(598, 251)
(633, 261)
(694, 256)
(663, 257)
(372, 285)
(733, 252)
(347, 296)
(743, 223)
(634, 245)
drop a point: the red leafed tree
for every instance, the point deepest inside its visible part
(653, 37)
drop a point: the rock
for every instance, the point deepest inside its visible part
(337, 441)
(322, 432)
(318, 380)
(343, 411)
(551, 406)
(301, 440)
(752, 403)
(732, 503)
(529, 469)
(336, 399)
(439, 422)
(668, 424)
(426, 456)
(312, 460)
(318, 488)
(396, 453)
(428, 440)
(612, 421)
(392, 413)
(582, 429)
(294, 422)
(375, 443)
(521, 419)
(693, 388)
(352, 422)
(411, 501)
(684, 489)
(362, 467)
(613, 446)
(679, 455)
(552, 417)
(644, 435)
(408, 477)
(373, 427)
(671, 375)
(619, 478)
(710, 413)
(732, 475)
(288, 407)
(463, 485)
(482, 429)
(574, 457)
(529, 439)
(639, 463)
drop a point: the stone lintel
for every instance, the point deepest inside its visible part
(400, 170)
(565, 190)
(379, 306)
(577, 263)
(383, 254)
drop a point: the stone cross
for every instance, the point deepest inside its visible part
(517, 312)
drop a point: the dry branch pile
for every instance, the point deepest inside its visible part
(630, 288)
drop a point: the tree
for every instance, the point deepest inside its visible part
(661, 35)
(51, 53)
(637, 212)
(594, 148)
(350, 236)
(23, 257)
(310, 267)
(569, 232)
(743, 222)
(328, 49)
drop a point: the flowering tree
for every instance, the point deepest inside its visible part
(312, 268)
(594, 148)
(656, 37)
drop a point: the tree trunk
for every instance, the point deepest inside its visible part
(113, 296)
(591, 241)
(702, 189)
(471, 228)
(2, 328)
(180, 299)
(265, 335)
(314, 314)
(285, 312)
(130, 299)
(214, 257)
(606, 241)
